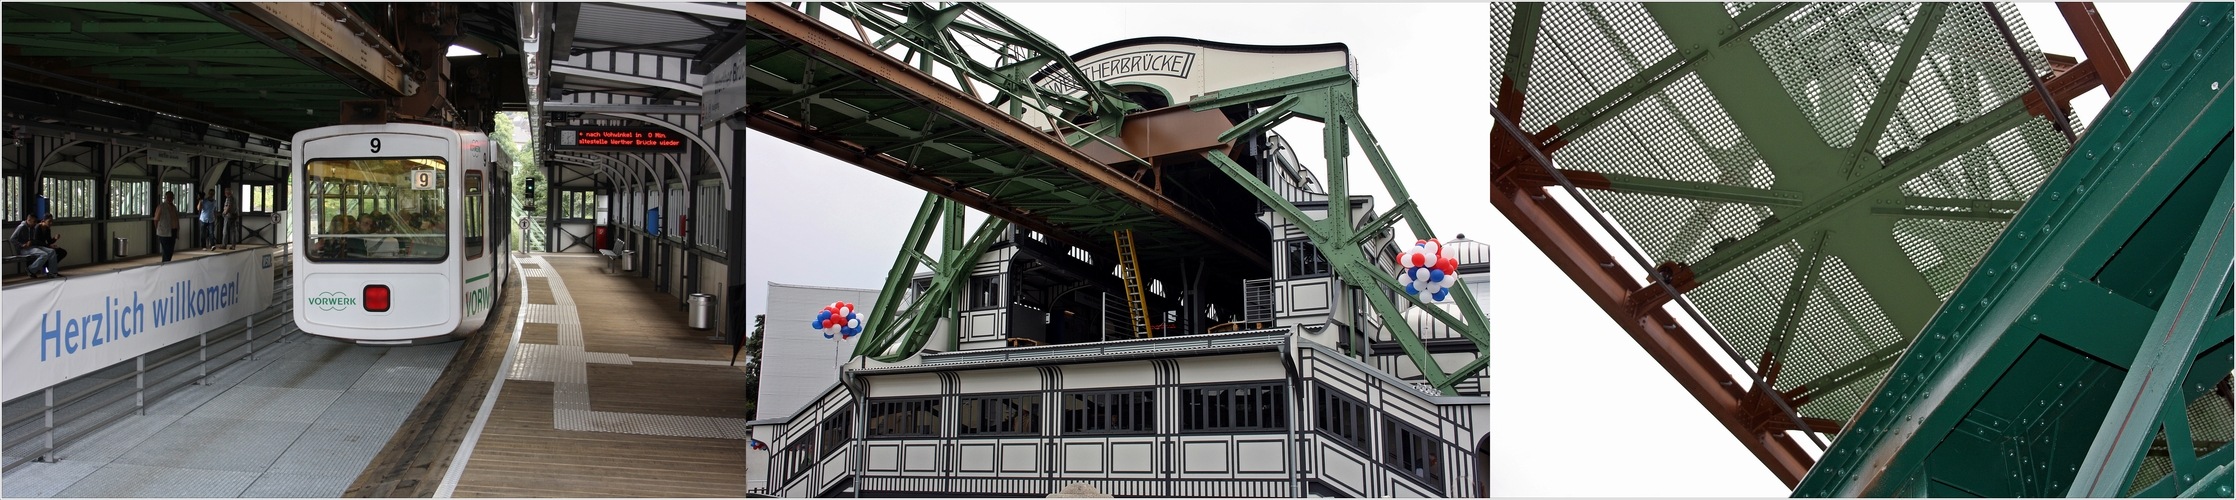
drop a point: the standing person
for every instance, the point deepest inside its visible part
(226, 220)
(207, 238)
(167, 224)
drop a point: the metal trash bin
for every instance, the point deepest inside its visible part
(628, 260)
(702, 311)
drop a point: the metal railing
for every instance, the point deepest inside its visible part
(37, 425)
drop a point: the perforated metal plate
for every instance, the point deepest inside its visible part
(1757, 137)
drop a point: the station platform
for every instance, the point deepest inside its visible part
(594, 387)
(76, 266)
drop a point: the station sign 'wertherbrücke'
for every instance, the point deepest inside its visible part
(591, 138)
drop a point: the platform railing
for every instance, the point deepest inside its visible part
(37, 425)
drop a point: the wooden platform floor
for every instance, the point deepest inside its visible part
(674, 374)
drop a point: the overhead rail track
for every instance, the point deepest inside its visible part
(978, 111)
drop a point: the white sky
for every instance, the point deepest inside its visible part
(1573, 397)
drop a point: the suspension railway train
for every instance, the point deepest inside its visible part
(403, 232)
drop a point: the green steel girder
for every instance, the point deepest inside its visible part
(810, 84)
(2118, 269)
(1890, 90)
(1521, 48)
(939, 32)
(1337, 237)
(893, 333)
(2153, 386)
(1650, 81)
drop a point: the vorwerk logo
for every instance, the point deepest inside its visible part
(333, 301)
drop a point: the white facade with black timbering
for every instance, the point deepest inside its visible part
(1303, 395)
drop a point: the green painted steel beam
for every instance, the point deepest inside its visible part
(1810, 275)
(152, 10)
(134, 27)
(1475, 327)
(1702, 191)
(1350, 265)
(1297, 86)
(2153, 383)
(1650, 81)
(1945, 144)
(1884, 104)
(2090, 285)
(1521, 49)
(1945, 214)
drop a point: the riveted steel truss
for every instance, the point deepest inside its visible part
(1797, 186)
(2088, 353)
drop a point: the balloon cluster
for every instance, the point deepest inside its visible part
(838, 320)
(1429, 272)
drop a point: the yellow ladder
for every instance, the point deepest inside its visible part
(1130, 268)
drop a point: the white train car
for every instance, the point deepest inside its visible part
(403, 235)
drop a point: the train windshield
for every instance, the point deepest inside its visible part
(381, 209)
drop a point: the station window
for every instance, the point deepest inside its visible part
(800, 455)
(999, 415)
(1130, 411)
(70, 197)
(258, 198)
(985, 292)
(673, 227)
(476, 216)
(909, 417)
(371, 209)
(14, 200)
(183, 197)
(1233, 408)
(131, 198)
(1412, 452)
(836, 430)
(712, 207)
(578, 204)
(1305, 260)
(1343, 418)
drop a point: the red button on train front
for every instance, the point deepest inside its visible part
(376, 298)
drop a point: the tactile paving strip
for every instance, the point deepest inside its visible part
(567, 366)
(278, 485)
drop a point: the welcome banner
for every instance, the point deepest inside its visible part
(57, 330)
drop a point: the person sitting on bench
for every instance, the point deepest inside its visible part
(38, 242)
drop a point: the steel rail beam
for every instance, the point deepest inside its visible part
(797, 26)
(355, 48)
(1577, 253)
(648, 109)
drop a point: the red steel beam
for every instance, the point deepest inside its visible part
(925, 88)
(2096, 43)
(1563, 240)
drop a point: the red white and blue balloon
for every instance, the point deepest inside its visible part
(1428, 270)
(838, 320)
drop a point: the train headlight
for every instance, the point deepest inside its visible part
(376, 298)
